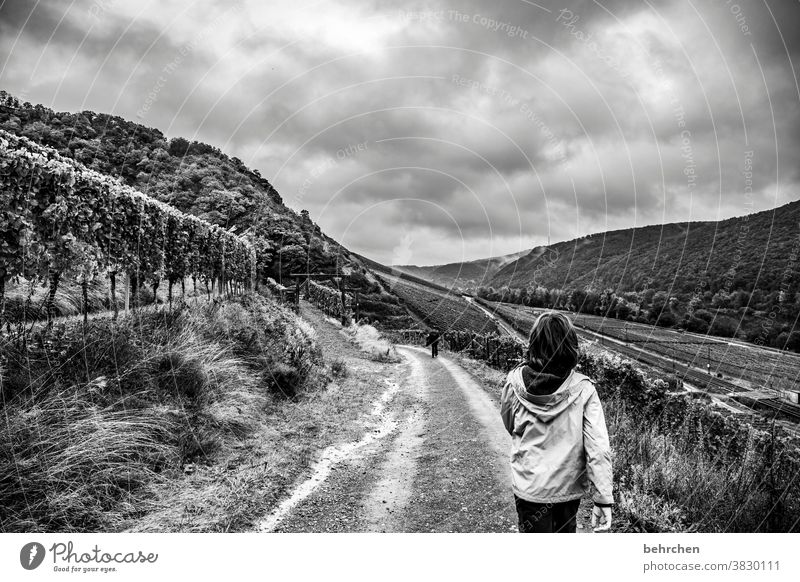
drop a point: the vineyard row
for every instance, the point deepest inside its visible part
(59, 218)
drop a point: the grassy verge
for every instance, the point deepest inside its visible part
(100, 427)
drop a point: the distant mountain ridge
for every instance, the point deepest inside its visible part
(733, 254)
(462, 276)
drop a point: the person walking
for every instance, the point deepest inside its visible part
(433, 341)
(559, 440)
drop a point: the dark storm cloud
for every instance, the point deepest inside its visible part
(38, 20)
(444, 130)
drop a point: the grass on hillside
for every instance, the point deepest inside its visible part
(96, 424)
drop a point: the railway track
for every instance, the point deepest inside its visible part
(782, 407)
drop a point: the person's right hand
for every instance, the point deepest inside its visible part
(603, 516)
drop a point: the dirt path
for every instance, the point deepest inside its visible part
(432, 457)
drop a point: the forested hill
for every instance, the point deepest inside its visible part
(737, 277)
(744, 253)
(193, 177)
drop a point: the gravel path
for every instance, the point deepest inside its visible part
(432, 457)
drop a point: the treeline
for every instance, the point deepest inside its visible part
(735, 277)
(762, 318)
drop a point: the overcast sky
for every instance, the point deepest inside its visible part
(444, 131)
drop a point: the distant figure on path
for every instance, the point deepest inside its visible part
(559, 441)
(433, 340)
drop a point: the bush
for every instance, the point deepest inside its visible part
(724, 326)
(283, 379)
(180, 373)
(666, 319)
(274, 340)
(696, 325)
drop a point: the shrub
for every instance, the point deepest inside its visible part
(181, 373)
(724, 473)
(724, 326)
(696, 325)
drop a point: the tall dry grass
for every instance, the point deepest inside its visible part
(370, 340)
(93, 421)
(665, 482)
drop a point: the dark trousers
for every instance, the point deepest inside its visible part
(434, 349)
(547, 517)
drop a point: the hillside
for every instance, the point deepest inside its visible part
(200, 180)
(462, 276)
(735, 277)
(740, 253)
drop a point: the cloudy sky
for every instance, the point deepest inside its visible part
(432, 132)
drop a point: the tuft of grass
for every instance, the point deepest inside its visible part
(70, 465)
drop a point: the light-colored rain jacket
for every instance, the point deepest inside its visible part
(559, 441)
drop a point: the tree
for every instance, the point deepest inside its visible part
(623, 310)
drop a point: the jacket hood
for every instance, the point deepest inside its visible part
(543, 394)
(541, 381)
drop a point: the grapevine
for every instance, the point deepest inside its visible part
(60, 219)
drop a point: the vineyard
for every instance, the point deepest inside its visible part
(329, 300)
(438, 308)
(60, 219)
(741, 363)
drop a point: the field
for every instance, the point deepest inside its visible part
(438, 308)
(746, 365)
